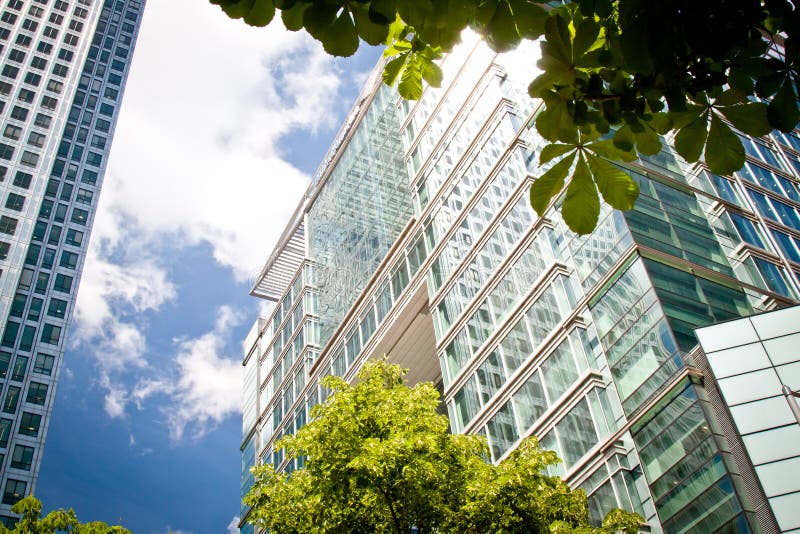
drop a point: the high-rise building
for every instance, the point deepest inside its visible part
(63, 67)
(416, 240)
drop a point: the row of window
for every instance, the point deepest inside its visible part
(37, 394)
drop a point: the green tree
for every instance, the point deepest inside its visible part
(615, 75)
(32, 522)
(379, 458)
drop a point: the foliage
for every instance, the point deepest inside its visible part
(32, 522)
(625, 71)
(380, 459)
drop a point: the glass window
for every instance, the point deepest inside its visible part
(37, 393)
(15, 491)
(22, 457)
(43, 364)
(12, 399)
(20, 366)
(29, 424)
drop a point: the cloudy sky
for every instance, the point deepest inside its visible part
(221, 128)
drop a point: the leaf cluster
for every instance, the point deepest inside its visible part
(379, 458)
(632, 71)
(31, 521)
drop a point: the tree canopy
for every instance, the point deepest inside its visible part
(32, 522)
(616, 76)
(377, 457)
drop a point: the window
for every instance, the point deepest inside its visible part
(65, 55)
(15, 202)
(55, 18)
(63, 283)
(23, 40)
(12, 132)
(106, 109)
(74, 237)
(55, 235)
(20, 366)
(26, 95)
(50, 32)
(25, 279)
(98, 141)
(6, 151)
(29, 424)
(48, 102)
(5, 88)
(89, 177)
(44, 48)
(22, 179)
(8, 225)
(30, 25)
(16, 55)
(60, 70)
(10, 71)
(32, 257)
(15, 491)
(42, 120)
(33, 79)
(12, 399)
(36, 139)
(29, 159)
(61, 213)
(55, 86)
(48, 259)
(37, 393)
(79, 216)
(35, 11)
(60, 5)
(71, 39)
(35, 311)
(44, 364)
(22, 457)
(39, 63)
(4, 248)
(50, 334)
(68, 260)
(111, 93)
(75, 26)
(16, 5)
(66, 192)
(19, 113)
(57, 308)
(18, 305)
(28, 336)
(39, 230)
(43, 278)
(94, 159)
(7, 17)
(5, 360)
(84, 196)
(5, 431)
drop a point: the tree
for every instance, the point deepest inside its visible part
(615, 75)
(32, 522)
(379, 458)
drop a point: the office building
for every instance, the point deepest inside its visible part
(416, 240)
(62, 74)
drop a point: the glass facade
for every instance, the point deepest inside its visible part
(582, 341)
(64, 67)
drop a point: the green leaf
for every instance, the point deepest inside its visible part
(318, 19)
(261, 13)
(555, 123)
(431, 72)
(724, 150)
(414, 12)
(661, 123)
(549, 184)
(410, 86)
(624, 139)
(750, 118)
(616, 186)
(392, 69)
(382, 11)
(581, 206)
(374, 34)
(690, 139)
(342, 39)
(293, 17)
(398, 47)
(782, 112)
(529, 18)
(553, 150)
(647, 142)
(607, 149)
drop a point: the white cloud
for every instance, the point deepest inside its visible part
(233, 526)
(196, 152)
(205, 388)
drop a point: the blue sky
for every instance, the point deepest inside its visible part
(221, 128)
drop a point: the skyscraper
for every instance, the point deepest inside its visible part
(528, 329)
(62, 75)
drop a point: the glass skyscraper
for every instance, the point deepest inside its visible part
(425, 248)
(62, 76)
